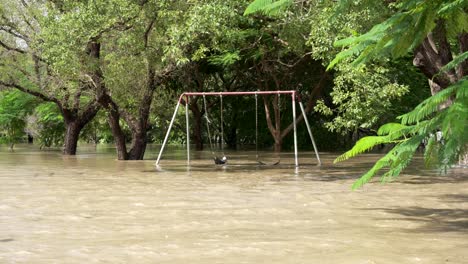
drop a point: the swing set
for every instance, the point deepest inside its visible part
(223, 159)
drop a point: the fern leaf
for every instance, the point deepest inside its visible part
(462, 93)
(427, 127)
(395, 131)
(381, 163)
(397, 159)
(455, 62)
(257, 6)
(430, 152)
(428, 106)
(390, 128)
(449, 7)
(361, 146)
(450, 152)
(276, 7)
(403, 153)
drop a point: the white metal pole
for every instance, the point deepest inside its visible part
(188, 128)
(295, 132)
(310, 132)
(168, 132)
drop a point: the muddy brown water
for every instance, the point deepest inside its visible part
(94, 209)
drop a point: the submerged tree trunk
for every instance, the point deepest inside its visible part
(72, 135)
(74, 123)
(113, 119)
(119, 136)
(105, 100)
(138, 148)
(138, 124)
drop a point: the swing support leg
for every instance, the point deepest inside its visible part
(188, 129)
(295, 130)
(168, 132)
(310, 132)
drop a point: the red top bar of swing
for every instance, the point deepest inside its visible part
(292, 92)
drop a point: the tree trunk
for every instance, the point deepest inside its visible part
(434, 53)
(119, 136)
(277, 146)
(74, 123)
(139, 143)
(72, 134)
(275, 130)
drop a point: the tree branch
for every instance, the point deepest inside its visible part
(5, 46)
(463, 43)
(42, 96)
(148, 31)
(268, 116)
(12, 32)
(310, 103)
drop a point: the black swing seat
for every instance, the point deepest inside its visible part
(219, 161)
(263, 163)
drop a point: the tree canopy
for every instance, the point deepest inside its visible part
(110, 70)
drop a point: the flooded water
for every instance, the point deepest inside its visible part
(94, 209)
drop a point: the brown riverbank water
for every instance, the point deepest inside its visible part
(94, 209)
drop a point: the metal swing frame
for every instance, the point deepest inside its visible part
(187, 95)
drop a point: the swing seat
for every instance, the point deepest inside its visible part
(219, 161)
(263, 163)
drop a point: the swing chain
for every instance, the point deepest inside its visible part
(256, 126)
(208, 124)
(222, 124)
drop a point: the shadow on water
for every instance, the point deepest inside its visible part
(430, 219)
(456, 198)
(426, 178)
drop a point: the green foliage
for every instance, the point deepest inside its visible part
(211, 30)
(225, 59)
(403, 31)
(15, 106)
(439, 121)
(73, 24)
(46, 125)
(425, 122)
(98, 130)
(361, 97)
(267, 7)
(328, 22)
(455, 62)
(378, 86)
